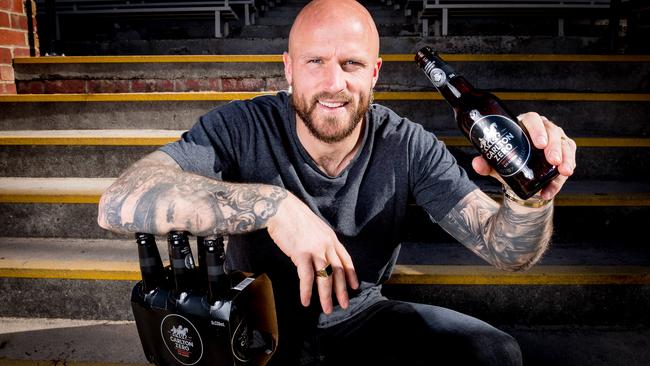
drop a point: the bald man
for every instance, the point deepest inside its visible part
(312, 185)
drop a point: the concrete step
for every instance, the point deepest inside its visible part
(38, 342)
(613, 73)
(243, 44)
(46, 207)
(92, 279)
(602, 114)
(107, 153)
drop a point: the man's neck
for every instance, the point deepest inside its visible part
(331, 158)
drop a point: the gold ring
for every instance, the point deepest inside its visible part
(325, 272)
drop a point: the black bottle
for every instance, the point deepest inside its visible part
(500, 138)
(218, 279)
(181, 260)
(151, 266)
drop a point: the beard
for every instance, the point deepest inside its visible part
(331, 129)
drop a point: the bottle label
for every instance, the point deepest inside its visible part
(438, 73)
(182, 339)
(502, 142)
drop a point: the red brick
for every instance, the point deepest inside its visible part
(275, 84)
(5, 56)
(215, 84)
(65, 86)
(163, 85)
(18, 21)
(143, 86)
(5, 4)
(10, 37)
(6, 73)
(193, 85)
(5, 21)
(17, 6)
(248, 84)
(30, 87)
(21, 52)
(108, 86)
(7, 88)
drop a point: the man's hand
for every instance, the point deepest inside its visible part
(312, 245)
(559, 150)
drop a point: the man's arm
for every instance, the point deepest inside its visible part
(513, 235)
(155, 196)
(510, 236)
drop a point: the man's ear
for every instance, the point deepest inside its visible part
(375, 75)
(287, 66)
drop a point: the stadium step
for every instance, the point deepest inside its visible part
(108, 152)
(100, 74)
(48, 342)
(47, 206)
(599, 114)
(92, 278)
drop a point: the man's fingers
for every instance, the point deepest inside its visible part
(534, 124)
(553, 150)
(553, 187)
(324, 286)
(568, 156)
(305, 270)
(348, 266)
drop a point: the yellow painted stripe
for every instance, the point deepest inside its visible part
(48, 198)
(535, 96)
(563, 199)
(132, 97)
(278, 58)
(58, 362)
(539, 275)
(162, 137)
(146, 59)
(403, 274)
(229, 96)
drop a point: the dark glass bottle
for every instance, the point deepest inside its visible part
(181, 260)
(218, 280)
(151, 266)
(500, 138)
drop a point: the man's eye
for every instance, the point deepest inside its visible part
(314, 61)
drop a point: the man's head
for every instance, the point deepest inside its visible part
(332, 65)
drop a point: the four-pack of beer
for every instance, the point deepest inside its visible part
(200, 315)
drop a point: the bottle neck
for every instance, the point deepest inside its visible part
(450, 84)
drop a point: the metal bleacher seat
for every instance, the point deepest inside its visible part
(441, 10)
(222, 10)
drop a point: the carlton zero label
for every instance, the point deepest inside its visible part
(502, 142)
(182, 339)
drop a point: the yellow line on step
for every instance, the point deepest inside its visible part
(278, 58)
(382, 96)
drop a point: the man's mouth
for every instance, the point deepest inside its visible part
(332, 105)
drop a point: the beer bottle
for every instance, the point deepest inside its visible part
(151, 266)
(215, 256)
(182, 262)
(500, 138)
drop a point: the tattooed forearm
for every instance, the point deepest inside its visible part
(155, 196)
(509, 236)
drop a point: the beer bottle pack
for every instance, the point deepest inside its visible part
(493, 130)
(188, 315)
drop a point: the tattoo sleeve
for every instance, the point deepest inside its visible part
(155, 196)
(510, 236)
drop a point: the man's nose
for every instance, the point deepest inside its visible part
(334, 80)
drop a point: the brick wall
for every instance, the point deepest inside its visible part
(13, 39)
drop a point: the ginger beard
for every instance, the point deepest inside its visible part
(331, 128)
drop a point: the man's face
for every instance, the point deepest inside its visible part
(332, 68)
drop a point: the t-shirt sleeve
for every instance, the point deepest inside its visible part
(211, 145)
(439, 183)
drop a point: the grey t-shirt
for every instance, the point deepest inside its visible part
(399, 163)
